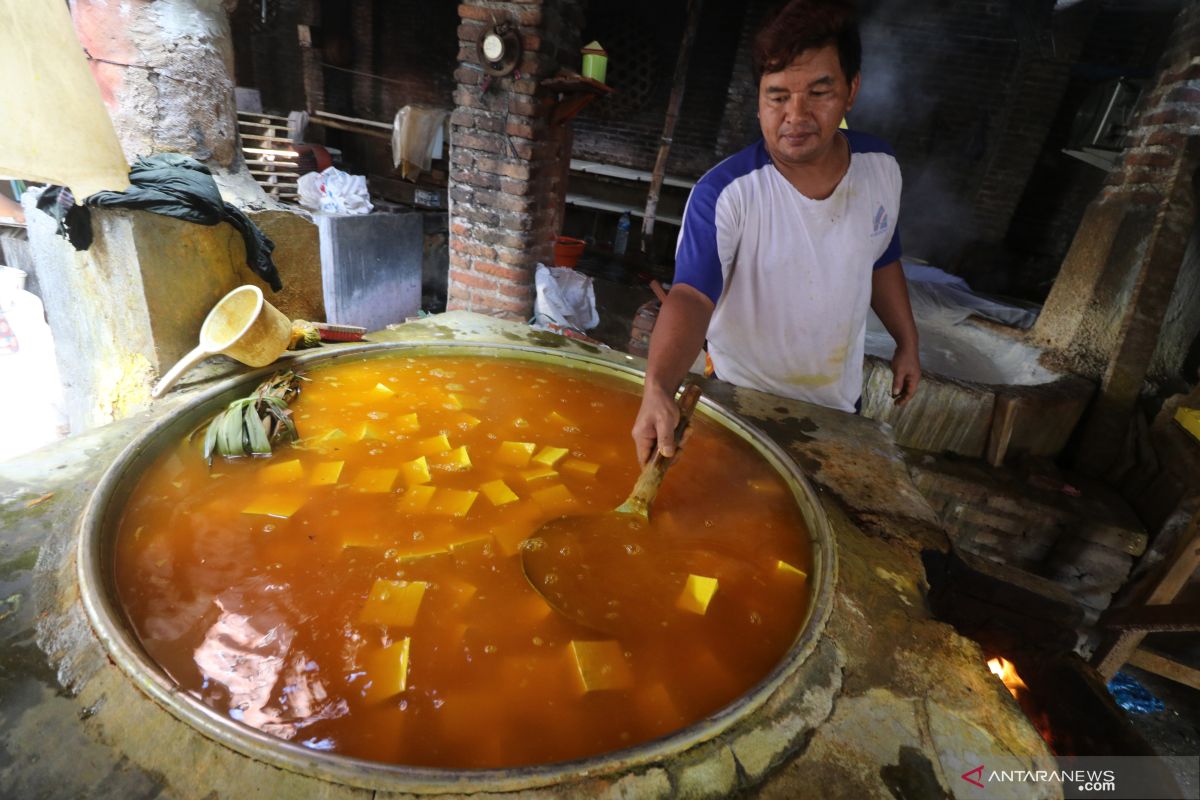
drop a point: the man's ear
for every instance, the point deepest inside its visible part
(853, 91)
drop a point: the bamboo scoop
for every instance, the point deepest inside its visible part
(612, 572)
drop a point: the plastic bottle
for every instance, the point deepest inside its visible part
(621, 240)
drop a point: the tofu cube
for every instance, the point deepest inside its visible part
(433, 445)
(393, 603)
(498, 492)
(409, 423)
(381, 390)
(283, 472)
(557, 498)
(455, 502)
(326, 473)
(696, 594)
(456, 459)
(786, 570)
(375, 480)
(367, 431)
(418, 553)
(416, 499)
(465, 400)
(559, 419)
(415, 472)
(549, 456)
(514, 454)
(536, 474)
(587, 468)
(281, 506)
(387, 671)
(464, 421)
(601, 666)
(451, 403)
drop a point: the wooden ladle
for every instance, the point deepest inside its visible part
(611, 572)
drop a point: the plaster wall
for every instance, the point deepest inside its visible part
(164, 70)
(1181, 325)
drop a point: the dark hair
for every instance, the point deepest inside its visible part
(803, 24)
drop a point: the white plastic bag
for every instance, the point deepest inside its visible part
(565, 298)
(334, 192)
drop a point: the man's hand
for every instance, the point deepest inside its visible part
(654, 428)
(906, 374)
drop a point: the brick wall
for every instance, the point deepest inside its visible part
(507, 159)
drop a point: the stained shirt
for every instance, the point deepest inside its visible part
(791, 276)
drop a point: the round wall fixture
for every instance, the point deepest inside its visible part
(499, 49)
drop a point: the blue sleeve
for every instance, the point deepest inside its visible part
(697, 261)
(893, 250)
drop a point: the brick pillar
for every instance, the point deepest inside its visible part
(1104, 316)
(507, 158)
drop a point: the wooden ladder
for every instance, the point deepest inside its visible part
(266, 148)
(1156, 613)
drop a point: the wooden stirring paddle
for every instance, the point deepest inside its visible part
(611, 572)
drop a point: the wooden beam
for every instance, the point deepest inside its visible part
(678, 84)
(1166, 667)
(1176, 617)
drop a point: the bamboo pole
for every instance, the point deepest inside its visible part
(676, 100)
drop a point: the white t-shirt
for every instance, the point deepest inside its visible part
(791, 276)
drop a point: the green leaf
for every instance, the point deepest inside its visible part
(256, 437)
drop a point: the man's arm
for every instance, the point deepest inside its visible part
(889, 301)
(678, 336)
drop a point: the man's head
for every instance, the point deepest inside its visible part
(807, 59)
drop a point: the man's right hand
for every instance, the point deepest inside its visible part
(655, 424)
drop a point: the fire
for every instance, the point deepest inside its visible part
(1003, 669)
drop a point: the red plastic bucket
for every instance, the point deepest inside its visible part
(567, 251)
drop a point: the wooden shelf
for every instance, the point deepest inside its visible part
(575, 92)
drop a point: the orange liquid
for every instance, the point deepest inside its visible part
(259, 585)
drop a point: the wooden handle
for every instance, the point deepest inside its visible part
(184, 364)
(646, 488)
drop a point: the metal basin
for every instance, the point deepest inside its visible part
(99, 594)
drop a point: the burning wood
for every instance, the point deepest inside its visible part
(1006, 672)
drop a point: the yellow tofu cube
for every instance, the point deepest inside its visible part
(368, 431)
(283, 472)
(451, 403)
(393, 603)
(474, 547)
(381, 390)
(536, 474)
(466, 400)
(329, 440)
(464, 421)
(498, 492)
(415, 471)
(326, 473)
(460, 592)
(433, 445)
(276, 505)
(387, 671)
(409, 423)
(549, 456)
(417, 553)
(455, 502)
(556, 498)
(375, 480)
(587, 468)
(601, 666)
(559, 419)
(696, 594)
(416, 499)
(514, 454)
(456, 459)
(786, 570)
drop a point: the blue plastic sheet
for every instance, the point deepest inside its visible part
(1132, 696)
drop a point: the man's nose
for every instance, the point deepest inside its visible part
(796, 106)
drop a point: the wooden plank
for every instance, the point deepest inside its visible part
(281, 139)
(1166, 667)
(343, 126)
(269, 152)
(281, 166)
(1155, 619)
(257, 115)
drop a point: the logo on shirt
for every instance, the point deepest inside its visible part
(880, 223)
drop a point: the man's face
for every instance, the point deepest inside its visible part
(801, 106)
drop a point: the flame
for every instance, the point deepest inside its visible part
(1003, 669)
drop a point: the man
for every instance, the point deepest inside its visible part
(785, 244)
